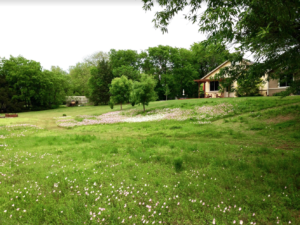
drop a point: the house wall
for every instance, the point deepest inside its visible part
(273, 83)
(268, 88)
(213, 93)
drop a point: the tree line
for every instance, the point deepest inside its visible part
(268, 29)
(25, 85)
(173, 69)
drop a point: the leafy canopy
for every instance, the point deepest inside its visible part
(144, 90)
(269, 29)
(120, 90)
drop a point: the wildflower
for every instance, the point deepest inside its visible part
(234, 222)
(240, 209)
(214, 221)
(5, 211)
(241, 221)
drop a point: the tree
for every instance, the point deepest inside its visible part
(26, 78)
(7, 101)
(120, 58)
(26, 87)
(127, 71)
(269, 29)
(120, 90)
(167, 91)
(160, 59)
(144, 90)
(99, 82)
(207, 56)
(184, 72)
(94, 59)
(80, 75)
(58, 86)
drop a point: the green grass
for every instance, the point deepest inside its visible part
(243, 163)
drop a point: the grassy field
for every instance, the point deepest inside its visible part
(230, 161)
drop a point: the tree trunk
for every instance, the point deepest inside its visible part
(121, 106)
(144, 107)
(166, 97)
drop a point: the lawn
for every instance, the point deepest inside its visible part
(198, 161)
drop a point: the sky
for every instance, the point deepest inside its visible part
(64, 32)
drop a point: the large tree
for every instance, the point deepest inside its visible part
(80, 74)
(268, 29)
(25, 86)
(95, 58)
(99, 82)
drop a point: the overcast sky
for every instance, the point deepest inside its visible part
(63, 32)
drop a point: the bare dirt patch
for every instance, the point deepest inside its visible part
(280, 119)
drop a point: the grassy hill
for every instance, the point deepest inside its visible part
(194, 161)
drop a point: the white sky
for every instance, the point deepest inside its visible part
(62, 33)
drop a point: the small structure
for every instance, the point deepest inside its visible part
(76, 100)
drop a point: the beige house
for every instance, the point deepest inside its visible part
(211, 87)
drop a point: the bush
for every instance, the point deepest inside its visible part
(111, 104)
(64, 114)
(178, 163)
(282, 93)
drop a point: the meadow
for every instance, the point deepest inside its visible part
(197, 161)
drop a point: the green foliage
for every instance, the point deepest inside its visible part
(282, 93)
(125, 62)
(144, 90)
(248, 86)
(95, 58)
(99, 82)
(207, 56)
(120, 90)
(111, 104)
(80, 74)
(167, 91)
(269, 29)
(64, 114)
(127, 71)
(27, 87)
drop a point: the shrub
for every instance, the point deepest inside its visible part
(64, 114)
(111, 104)
(282, 93)
(178, 163)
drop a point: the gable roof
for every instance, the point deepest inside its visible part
(218, 67)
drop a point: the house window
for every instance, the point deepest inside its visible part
(214, 85)
(286, 81)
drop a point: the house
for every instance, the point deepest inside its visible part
(211, 87)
